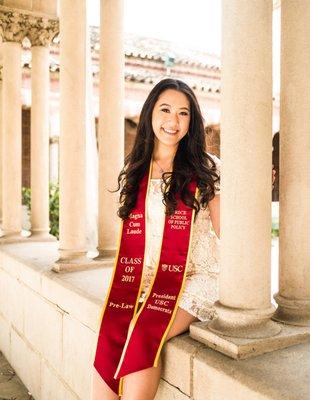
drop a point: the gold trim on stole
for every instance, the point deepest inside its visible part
(113, 273)
(111, 282)
(121, 383)
(181, 290)
(134, 320)
(145, 213)
(120, 389)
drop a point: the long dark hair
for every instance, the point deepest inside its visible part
(191, 159)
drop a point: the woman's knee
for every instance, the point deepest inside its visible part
(181, 323)
(143, 384)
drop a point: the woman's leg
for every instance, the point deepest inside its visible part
(143, 385)
(100, 390)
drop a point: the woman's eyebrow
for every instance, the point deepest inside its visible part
(181, 108)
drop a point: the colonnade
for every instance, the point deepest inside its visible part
(245, 312)
(73, 23)
(11, 122)
(247, 323)
(244, 307)
(40, 31)
(294, 285)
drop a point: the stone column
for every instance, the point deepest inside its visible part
(1, 134)
(13, 31)
(244, 307)
(293, 297)
(72, 168)
(41, 31)
(111, 122)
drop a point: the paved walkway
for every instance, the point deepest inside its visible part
(11, 387)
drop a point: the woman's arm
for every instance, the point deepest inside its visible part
(214, 204)
(214, 207)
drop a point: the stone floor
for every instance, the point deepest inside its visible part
(11, 387)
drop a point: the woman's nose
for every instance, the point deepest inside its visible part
(173, 119)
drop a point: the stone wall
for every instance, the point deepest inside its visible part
(49, 325)
(45, 334)
(48, 333)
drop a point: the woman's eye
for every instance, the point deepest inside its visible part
(165, 110)
(184, 113)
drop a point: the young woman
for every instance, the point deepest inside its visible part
(165, 276)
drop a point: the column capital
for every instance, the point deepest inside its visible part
(40, 30)
(13, 27)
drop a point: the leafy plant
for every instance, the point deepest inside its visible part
(26, 197)
(53, 206)
(54, 209)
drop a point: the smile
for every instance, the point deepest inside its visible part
(169, 131)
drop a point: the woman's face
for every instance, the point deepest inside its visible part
(171, 117)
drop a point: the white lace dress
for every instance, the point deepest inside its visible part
(201, 282)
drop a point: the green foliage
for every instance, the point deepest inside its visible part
(274, 232)
(275, 227)
(53, 206)
(54, 209)
(26, 197)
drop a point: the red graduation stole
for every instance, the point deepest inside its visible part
(128, 340)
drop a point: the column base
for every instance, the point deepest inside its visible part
(241, 348)
(244, 323)
(291, 311)
(73, 265)
(12, 237)
(73, 260)
(105, 254)
(41, 236)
